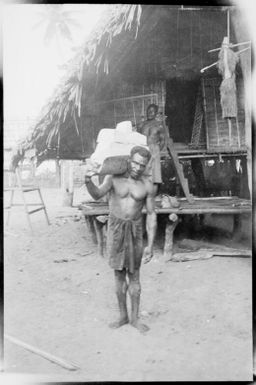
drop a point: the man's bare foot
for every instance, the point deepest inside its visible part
(141, 327)
(119, 323)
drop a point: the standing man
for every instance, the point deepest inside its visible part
(128, 194)
(153, 130)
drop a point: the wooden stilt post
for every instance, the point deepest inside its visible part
(237, 226)
(229, 131)
(67, 182)
(99, 235)
(171, 224)
(91, 228)
(58, 172)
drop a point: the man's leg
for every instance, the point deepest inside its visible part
(134, 291)
(121, 291)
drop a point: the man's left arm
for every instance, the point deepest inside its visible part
(151, 224)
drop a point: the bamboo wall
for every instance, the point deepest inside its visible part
(130, 103)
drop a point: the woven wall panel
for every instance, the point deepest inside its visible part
(198, 138)
(218, 133)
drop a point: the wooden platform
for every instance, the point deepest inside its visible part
(214, 205)
(186, 151)
(96, 213)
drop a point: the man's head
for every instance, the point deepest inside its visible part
(139, 158)
(152, 111)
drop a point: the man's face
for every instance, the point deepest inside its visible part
(151, 113)
(137, 165)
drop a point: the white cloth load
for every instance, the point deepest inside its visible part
(118, 141)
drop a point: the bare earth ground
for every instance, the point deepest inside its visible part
(59, 297)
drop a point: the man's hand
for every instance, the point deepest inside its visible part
(147, 255)
(89, 172)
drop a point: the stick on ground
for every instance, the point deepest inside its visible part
(48, 356)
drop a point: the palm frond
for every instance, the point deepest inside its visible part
(38, 24)
(49, 33)
(72, 22)
(65, 31)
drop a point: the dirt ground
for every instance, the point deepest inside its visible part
(59, 297)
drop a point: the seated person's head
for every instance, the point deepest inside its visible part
(152, 111)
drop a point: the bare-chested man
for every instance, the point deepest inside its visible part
(153, 130)
(128, 194)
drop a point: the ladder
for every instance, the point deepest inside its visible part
(21, 187)
(177, 165)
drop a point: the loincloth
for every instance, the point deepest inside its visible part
(124, 243)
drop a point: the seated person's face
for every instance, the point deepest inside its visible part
(137, 165)
(151, 113)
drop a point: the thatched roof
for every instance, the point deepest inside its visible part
(129, 41)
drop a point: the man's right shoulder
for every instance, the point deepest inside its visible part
(147, 180)
(117, 179)
(108, 179)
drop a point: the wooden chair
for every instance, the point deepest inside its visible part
(17, 184)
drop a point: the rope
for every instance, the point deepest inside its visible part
(200, 40)
(228, 25)
(191, 37)
(177, 37)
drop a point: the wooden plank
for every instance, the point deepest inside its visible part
(193, 245)
(178, 166)
(181, 211)
(206, 254)
(205, 113)
(35, 210)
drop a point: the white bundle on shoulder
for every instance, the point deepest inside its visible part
(118, 141)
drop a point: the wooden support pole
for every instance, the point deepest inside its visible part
(229, 131)
(179, 170)
(39, 352)
(71, 177)
(9, 208)
(211, 65)
(230, 46)
(228, 25)
(171, 224)
(237, 226)
(90, 226)
(99, 235)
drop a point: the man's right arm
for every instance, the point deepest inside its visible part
(98, 192)
(151, 224)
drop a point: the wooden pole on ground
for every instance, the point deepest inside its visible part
(48, 356)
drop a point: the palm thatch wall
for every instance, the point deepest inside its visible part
(133, 47)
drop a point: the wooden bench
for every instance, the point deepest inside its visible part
(213, 205)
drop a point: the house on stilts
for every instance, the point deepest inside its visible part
(142, 54)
